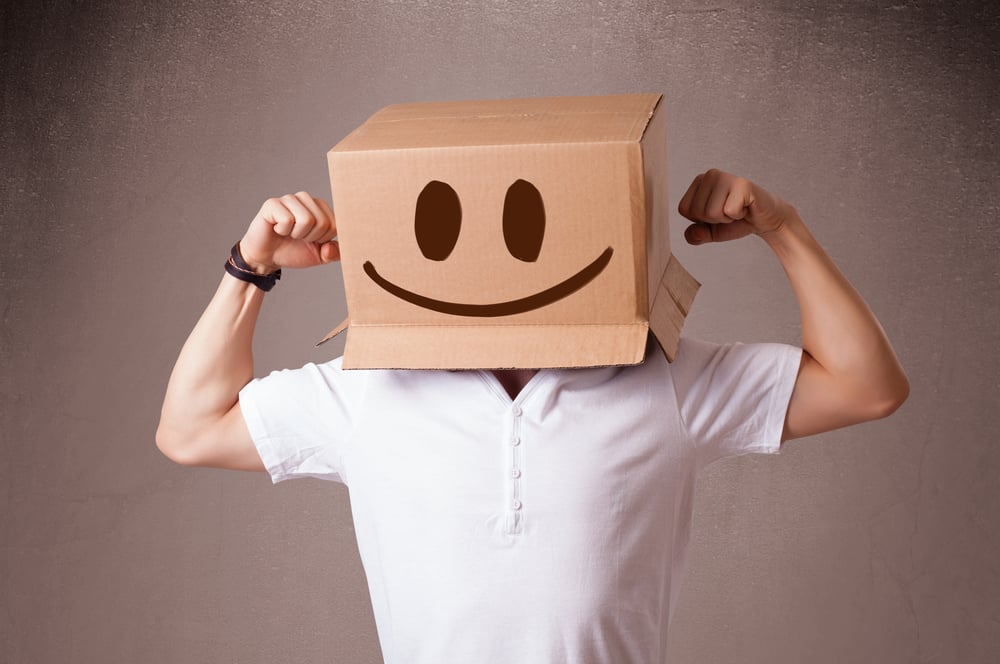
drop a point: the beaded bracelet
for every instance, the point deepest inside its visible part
(237, 267)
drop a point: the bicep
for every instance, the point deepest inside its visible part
(228, 444)
(821, 403)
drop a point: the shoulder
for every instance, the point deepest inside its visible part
(311, 381)
(699, 361)
(698, 352)
(352, 385)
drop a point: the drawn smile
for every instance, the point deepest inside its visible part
(520, 305)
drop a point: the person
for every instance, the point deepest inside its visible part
(525, 515)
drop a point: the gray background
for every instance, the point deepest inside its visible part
(139, 138)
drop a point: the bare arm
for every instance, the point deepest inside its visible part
(849, 371)
(201, 423)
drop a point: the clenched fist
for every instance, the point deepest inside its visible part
(726, 207)
(295, 230)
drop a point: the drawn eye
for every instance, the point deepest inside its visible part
(438, 220)
(523, 221)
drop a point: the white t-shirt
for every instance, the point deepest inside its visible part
(548, 528)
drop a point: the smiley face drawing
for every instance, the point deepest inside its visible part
(438, 224)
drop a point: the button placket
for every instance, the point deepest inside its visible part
(514, 507)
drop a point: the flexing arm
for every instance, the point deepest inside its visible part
(201, 423)
(849, 371)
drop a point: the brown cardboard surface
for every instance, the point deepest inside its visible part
(507, 233)
(458, 347)
(672, 301)
(503, 122)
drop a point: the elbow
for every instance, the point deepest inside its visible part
(169, 444)
(893, 397)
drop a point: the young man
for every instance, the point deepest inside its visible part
(528, 516)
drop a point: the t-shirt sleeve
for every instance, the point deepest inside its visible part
(301, 420)
(733, 398)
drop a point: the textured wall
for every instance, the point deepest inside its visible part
(140, 138)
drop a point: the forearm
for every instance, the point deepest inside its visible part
(839, 330)
(214, 364)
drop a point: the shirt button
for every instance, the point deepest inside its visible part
(515, 473)
(517, 411)
(515, 441)
(516, 504)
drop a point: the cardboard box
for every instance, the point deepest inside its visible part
(513, 233)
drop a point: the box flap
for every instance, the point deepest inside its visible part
(335, 331)
(671, 304)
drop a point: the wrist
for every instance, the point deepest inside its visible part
(253, 264)
(787, 226)
(791, 242)
(238, 268)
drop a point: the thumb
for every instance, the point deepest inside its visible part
(698, 234)
(702, 233)
(329, 251)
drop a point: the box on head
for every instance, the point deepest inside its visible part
(513, 233)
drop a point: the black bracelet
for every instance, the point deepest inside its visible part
(237, 267)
